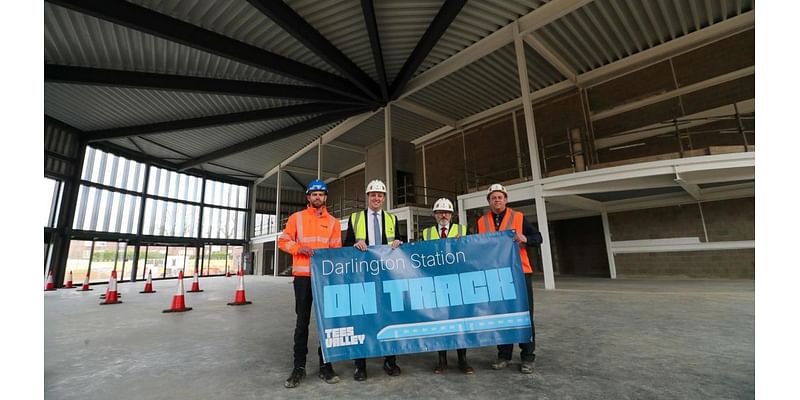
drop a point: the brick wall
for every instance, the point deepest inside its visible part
(726, 220)
(691, 264)
(657, 223)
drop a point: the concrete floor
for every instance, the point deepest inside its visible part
(596, 338)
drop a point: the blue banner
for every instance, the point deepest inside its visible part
(423, 296)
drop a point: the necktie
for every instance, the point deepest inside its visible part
(376, 228)
(443, 235)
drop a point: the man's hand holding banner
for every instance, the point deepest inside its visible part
(420, 297)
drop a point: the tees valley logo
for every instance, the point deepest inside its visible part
(337, 337)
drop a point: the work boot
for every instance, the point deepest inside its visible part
(526, 367)
(326, 374)
(464, 366)
(442, 365)
(500, 363)
(297, 375)
(391, 368)
(360, 374)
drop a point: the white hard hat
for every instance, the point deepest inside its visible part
(443, 205)
(496, 188)
(376, 186)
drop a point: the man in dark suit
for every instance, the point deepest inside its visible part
(373, 227)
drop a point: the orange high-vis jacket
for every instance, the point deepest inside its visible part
(512, 220)
(310, 228)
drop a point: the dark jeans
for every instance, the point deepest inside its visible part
(361, 363)
(506, 351)
(302, 307)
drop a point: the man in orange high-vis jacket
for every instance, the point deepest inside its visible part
(501, 218)
(306, 230)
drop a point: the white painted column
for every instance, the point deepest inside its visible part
(319, 159)
(424, 175)
(277, 223)
(462, 213)
(612, 266)
(388, 153)
(530, 128)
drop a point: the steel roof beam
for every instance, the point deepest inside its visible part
(269, 137)
(532, 21)
(308, 171)
(154, 23)
(295, 25)
(214, 120)
(554, 59)
(436, 29)
(347, 147)
(294, 178)
(368, 8)
(415, 108)
(326, 138)
(119, 78)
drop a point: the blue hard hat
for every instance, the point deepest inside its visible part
(317, 185)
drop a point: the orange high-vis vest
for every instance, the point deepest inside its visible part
(310, 228)
(512, 220)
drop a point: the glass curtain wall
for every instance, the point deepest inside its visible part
(116, 193)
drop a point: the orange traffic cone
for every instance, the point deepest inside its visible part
(69, 281)
(239, 298)
(111, 292)
(228, 273)
(85, 286)
(50, 283)
(148, 286)
(195, 283)
(178, 303)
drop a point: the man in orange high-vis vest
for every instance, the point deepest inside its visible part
(501, 218)
(306, 230)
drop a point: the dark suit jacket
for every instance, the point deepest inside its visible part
(350, 238)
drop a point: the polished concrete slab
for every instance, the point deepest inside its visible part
(596, 338)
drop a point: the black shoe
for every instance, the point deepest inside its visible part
(297, 375)
(326, 374)
(441, 366)
(360, 375)
(464, 367)
(391, 368)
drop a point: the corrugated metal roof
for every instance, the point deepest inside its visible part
(197, 142)
(490, 81)
(72, 38)
(408, 126)
(605, 31)
(266, 157)
(149, 148)
(366, 133)
(334, 160)
(400, 25)
(99, 107)
(476, 20)
(239, 20)
(341, 22)
(599, 33)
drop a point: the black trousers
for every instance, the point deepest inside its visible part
(462, 354)
(302, 307)
(506, 351)
(361, 363)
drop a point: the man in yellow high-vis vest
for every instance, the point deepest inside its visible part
(373, 227)
(444, 229)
